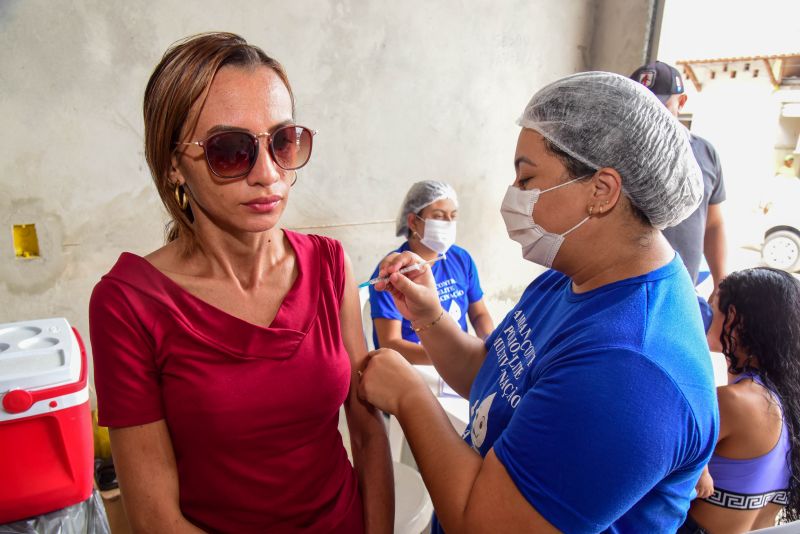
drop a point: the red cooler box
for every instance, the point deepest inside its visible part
(46, 456)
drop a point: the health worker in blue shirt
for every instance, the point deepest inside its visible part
(592, 405)
(427, 219)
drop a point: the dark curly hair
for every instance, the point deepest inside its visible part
(766, 324)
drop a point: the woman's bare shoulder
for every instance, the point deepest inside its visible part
(745, 401)
(167, 258)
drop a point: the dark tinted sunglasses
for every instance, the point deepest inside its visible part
(234, 154)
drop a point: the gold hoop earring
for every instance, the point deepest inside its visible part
(180, 197)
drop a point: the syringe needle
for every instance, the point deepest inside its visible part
(406, 269)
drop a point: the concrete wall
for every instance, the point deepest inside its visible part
(399, 91)
(622, 31)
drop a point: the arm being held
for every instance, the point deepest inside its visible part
(368, 439)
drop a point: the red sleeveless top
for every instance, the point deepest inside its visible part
(252, 411)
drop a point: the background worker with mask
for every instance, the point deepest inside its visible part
(428, 219)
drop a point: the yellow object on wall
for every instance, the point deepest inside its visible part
(26, 242)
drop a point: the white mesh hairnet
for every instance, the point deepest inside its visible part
(420, 196)
(607, 120)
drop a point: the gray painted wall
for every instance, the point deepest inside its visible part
(399, 91)
(621, 34)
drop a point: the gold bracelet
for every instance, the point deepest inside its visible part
(421, 328)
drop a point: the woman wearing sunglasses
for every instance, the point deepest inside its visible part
(222, 359)
(428, 220)
(592, 403)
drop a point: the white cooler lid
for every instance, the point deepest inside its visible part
(38, 354)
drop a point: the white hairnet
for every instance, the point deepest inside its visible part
(607, 120)
(420, 196)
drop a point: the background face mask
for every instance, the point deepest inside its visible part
(538, 245)
(439, 235)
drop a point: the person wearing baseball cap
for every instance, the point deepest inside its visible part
(703, 232)
(665, 82)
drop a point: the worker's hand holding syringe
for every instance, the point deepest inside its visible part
(407, 269)
(410, 281)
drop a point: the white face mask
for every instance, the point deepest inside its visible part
(439, 235)
(538, 245)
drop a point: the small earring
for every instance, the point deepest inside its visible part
(295, 179)
(601, 209)
(180, 197)
(591, 210)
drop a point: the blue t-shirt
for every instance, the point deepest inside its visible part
(600, 405)
(456, 280)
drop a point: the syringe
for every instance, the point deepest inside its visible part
(409, 268)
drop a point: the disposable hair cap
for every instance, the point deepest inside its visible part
(420, 196)
(607, 120)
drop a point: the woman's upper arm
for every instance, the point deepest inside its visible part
(145, 464)
(350, 319)
(496, 504)
(353, 337)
